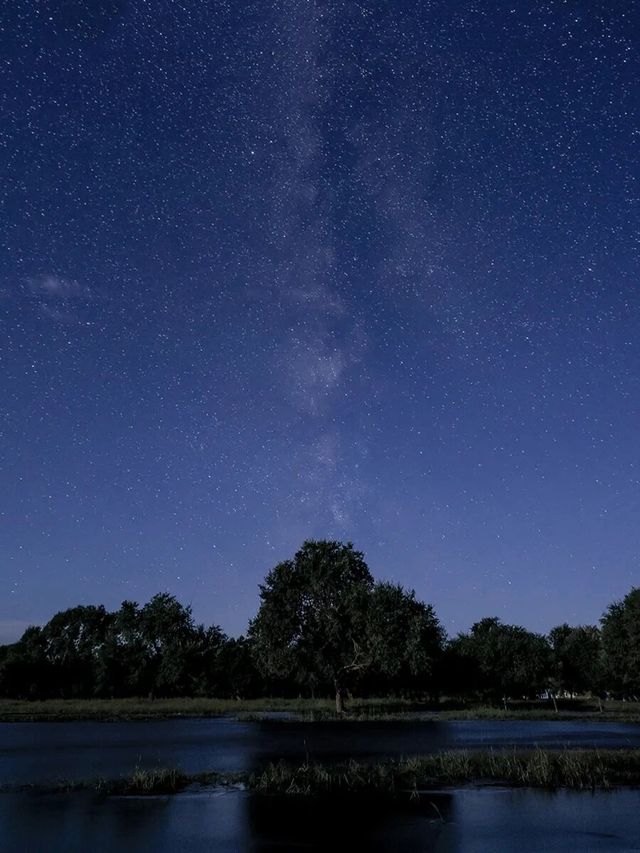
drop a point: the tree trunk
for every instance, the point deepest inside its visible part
(339, 700)
(555, 704)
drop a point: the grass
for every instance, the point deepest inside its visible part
(15, 710)
(19, 710)
(377, 711)
(405, 778)
(163, 780)
(580, 770)
(307, 710)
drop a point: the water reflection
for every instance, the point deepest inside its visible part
(220, 822)
(482, 821)
(77, 823)
(377, 827)
(41, 752)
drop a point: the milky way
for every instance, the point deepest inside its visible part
(279, 270)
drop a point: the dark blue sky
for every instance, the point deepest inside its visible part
(356, 270)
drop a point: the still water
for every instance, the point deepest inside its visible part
(465, 821)
(45, 752)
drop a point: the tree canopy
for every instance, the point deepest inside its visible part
(504, 660)
(323, 625)
(152, 650)
(577, 658)
(311, 623)
(322, 621)
(621, 643)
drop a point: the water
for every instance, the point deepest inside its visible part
(460, 821)
(463, 821)
(45, 752)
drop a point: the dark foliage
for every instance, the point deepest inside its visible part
(323, 626)
(154, 650)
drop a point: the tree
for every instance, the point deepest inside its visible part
(86, 651)
(404, 638)
(577, 658)
(236, 670)
(73, 639)
(25, 671)
(122, 663)
(621, 644)
(506, 660)
(179, 656)
(311, 625)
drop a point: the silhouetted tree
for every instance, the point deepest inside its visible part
(621, 643)
(404, 639)
(577, 659)
(506, 660)
(237, 674)
(85, 651)
(25, 672)
(311, 625)
(73, 640)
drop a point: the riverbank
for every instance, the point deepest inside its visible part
(308, 710)
(405, 778)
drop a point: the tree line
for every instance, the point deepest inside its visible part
(323, 626)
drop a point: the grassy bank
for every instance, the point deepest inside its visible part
(148, 709)
(536, 768)
(307, 710)
(479, 712)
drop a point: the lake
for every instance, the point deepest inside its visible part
(45, 752)
(472, 819)
(487, 820)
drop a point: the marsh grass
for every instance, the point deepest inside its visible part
(308, 710)
(536, 768)
(409, 778)
(161, 780)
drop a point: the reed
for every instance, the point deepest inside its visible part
(536, 768)
(162, 780)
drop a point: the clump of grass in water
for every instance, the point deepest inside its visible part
(162, 780)
(539, 768)
(315, 778)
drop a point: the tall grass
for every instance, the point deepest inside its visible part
(537, 768)
(161, 780)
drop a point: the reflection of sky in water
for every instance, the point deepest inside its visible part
(481, 821)
(37, 752)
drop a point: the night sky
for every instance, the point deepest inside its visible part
(353, 270)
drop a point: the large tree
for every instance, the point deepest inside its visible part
(25, 671)
(621, 643)
(577, 658)
(311, 625)
(504, 660)
(73, 641)
(404, 638)
(179, 657)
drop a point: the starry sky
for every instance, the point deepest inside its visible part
(282, 269)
